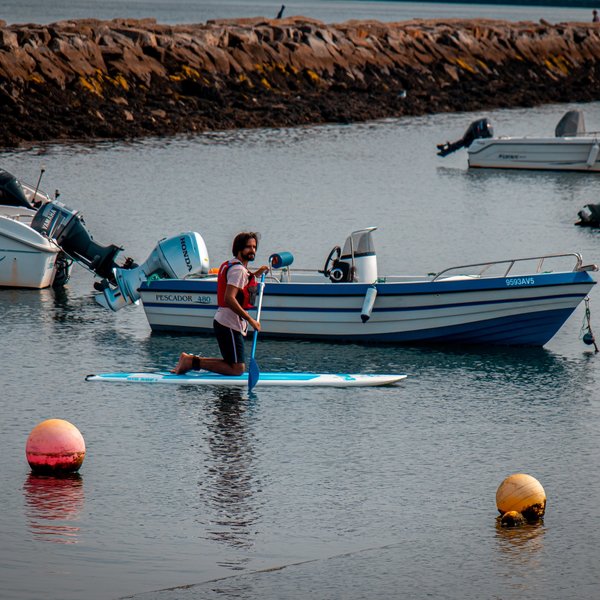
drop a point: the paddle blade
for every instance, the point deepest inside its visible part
(253, 374)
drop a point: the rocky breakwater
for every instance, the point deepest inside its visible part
(91, 79)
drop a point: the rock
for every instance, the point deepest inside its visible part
(8, 39)
(74, 78)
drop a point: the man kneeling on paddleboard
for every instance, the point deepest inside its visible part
(236, 291)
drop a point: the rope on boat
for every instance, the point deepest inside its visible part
(587, 335)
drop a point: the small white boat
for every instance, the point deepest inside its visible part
(571, 149)
(41, 237)
(519, 301)
(28, 259)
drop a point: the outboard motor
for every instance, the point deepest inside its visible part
(67, 228)
(174, 258)
(589, 216)
(16, 193)
(11, 191)
(357, 262)
(480, 129)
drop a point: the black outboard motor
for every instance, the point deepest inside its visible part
(11, 191)
(480, 129)
(67, 228)
(589, 216)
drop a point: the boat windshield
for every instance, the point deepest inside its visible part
(359, 243)
(571, 124)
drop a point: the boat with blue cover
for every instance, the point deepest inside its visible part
(516, 301)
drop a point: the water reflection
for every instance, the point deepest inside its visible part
(232, 485)
(563, 184)
(25, 304)
(497, 361)
(53, 506)
(521, 545)
(46, 309)
(520, 371)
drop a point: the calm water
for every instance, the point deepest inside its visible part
(363, 494)
(329, 11)
(359, 494)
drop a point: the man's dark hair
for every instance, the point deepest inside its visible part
(241, 239)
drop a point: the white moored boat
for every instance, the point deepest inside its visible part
(40, 238)
(571, 149)
(28, 259)
(521, 301)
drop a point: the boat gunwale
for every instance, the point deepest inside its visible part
(408, 288)
(46, 246)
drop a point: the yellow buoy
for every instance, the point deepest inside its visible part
(522, 493)
(512, 518)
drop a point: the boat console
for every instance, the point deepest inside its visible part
(356, 262)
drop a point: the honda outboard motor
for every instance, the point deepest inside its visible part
(357, 262)
(480, 129)
(67, 228)
(173, 258)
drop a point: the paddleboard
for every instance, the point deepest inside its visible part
(266, 379)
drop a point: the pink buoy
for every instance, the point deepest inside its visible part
(55, 446)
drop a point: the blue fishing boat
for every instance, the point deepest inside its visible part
(517, 301)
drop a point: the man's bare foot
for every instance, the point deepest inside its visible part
(184, 365)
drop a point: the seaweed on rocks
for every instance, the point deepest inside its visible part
(92, 79)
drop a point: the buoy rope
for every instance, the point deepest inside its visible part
(587, 334)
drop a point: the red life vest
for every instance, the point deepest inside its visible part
(245, 296)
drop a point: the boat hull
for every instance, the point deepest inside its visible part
(27, 259)
(506, 311)
(554, 154)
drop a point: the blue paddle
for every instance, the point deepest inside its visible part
(254, 371)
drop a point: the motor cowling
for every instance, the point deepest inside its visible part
(12, 192)
(172, 258)
(479, 129)
(589, 216)
(67, 228)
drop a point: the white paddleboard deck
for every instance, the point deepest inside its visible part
(266, 379)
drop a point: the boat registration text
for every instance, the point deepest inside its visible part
(518, 281)
(182, 298)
